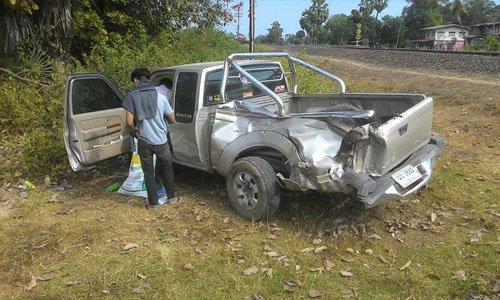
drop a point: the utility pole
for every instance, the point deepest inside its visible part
(237, 7)
(251, 29)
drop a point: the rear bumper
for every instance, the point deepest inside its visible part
(375, 191)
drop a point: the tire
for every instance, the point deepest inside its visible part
(253, 189)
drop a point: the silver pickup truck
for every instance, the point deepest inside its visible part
(245, 120)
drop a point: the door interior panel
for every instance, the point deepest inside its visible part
(102, 134)
(96, 121)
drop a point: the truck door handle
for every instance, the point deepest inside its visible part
(403, 130)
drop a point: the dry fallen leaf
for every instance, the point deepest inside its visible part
(73, 282)
(319, 270)
(382, 259)
(317, 241)
(374, 236)
(32, 284)
(350, 250)
(254, 297)
(308, 249)
(272, 254)
(226, 220)
(250, 271)
(433, 217)
(130, 246)
(188, 266)
(320, 249)
(369, 251)
(141, 276)
(315, 293)
(459, 274)
(267, 271)
(329, 265)
(405, 266)
(346, 274)
(289, 286)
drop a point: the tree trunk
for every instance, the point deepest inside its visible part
(374, 27)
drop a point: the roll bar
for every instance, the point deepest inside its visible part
(231, 60)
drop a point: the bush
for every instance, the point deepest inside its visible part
(31, 115)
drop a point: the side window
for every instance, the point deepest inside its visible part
(93, 94)
(185, 96)
(165, 80)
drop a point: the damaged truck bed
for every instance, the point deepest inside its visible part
(246, 120)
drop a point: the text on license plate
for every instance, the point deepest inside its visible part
(406, 176)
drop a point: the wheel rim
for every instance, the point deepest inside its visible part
(247, 191)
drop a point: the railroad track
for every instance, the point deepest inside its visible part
(443, 62)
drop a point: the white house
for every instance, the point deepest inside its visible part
(443, 37)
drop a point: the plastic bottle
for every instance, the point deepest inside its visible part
(29, 185)
(113, 187)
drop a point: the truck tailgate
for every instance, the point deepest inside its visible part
(395, 140)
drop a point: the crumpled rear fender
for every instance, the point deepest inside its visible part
(255, 139)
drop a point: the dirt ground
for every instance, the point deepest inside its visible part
(73, 240)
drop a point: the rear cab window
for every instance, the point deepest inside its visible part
(239, 87)
(185, 96)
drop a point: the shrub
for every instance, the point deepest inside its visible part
(31, 115)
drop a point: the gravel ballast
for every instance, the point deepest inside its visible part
(447, 63)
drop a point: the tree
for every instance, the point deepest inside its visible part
(454, 12)
(379, 6)
(480, 11)
(300, 34)
(293, 39)
(313, 18)
(420, 14)
(392, 31)
(296, 39)
(366, 8)
(74, 27)
(274, 34)
(340, 29)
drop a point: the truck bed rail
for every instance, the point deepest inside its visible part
(231, 60)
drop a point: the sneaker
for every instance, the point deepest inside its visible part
(151, 206)
(163, 200)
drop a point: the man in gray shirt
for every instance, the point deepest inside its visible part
(146, 109)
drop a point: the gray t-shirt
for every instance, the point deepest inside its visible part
(154, 130)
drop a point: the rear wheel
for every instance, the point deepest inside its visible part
(252, 188)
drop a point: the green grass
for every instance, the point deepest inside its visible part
(81, 237)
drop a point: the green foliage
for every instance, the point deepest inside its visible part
(313, 18)
(31, 116)
(480, 11)
(340, 30)
(392, 30)
(275, 34)
(420, 14)
(491, 44)
(71, 27)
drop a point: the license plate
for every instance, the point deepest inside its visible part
(406, 176)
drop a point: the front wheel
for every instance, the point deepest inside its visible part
(252, 188)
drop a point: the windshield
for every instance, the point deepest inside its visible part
(239, 87)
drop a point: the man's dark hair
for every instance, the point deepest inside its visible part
(138, 73)
(166, 82)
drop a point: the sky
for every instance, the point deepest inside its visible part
(288, 13)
